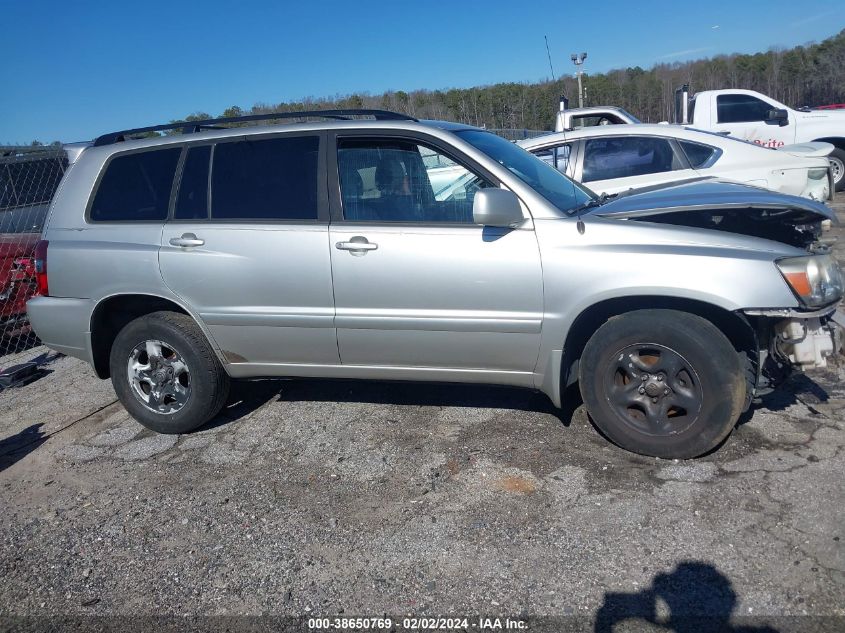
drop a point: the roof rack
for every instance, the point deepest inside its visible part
(188, 127)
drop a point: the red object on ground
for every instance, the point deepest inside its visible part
(17, 280)
(833, 106)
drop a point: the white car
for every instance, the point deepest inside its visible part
(615, 158)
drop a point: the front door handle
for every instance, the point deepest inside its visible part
(187, 240)
(357, 245)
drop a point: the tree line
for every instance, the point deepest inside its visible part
(803, 75)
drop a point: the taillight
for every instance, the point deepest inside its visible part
(41, 268)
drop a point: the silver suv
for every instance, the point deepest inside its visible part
(393, 249)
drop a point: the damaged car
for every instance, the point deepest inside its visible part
(614, 159)
(367, 244)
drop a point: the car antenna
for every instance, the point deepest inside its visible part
(552, 68)
(564, 102)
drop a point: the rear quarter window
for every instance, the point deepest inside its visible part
(699, 156)
(136, 187)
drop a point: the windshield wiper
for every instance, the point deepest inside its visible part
(591, 204)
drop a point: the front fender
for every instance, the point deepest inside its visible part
(619, 259)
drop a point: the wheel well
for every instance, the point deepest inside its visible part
(834, 140)
(733, 325)
(112, 314)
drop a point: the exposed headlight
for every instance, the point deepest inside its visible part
(816, 279)
(817, 174)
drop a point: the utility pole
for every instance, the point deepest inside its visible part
(578, 60)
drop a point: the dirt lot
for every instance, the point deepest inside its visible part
(327, 498)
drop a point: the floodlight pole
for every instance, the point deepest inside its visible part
(578, 60)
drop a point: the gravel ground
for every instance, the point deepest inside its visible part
(326, 498)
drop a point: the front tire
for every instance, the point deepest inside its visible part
(662, 383)
(166, 373)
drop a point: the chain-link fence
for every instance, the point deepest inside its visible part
(29, 177)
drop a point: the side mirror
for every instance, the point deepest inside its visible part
(496, 207)
(778, 116)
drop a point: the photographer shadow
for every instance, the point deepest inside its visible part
(694, 598)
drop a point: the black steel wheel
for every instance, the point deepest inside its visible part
(653, 389)
(662, 383)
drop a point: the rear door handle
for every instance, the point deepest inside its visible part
(187, 240)
(357, 245)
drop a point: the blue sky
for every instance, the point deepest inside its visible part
(72, 70)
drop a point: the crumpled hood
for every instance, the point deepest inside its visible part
(708, 194)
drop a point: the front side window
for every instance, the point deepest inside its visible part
(741, 109)
(699, 155)
(627, 156)
(267, 179)
(392, 180)
(136, 187)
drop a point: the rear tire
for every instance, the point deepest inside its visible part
(662, 383)
(166, 373)
(837, 161)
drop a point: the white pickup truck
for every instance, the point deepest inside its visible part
(743, 114)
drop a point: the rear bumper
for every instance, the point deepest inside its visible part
(63, 324)
(820, 189)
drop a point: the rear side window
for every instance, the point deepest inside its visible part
(699, 155)
(270, 179)
(606, 158)
(136, 187)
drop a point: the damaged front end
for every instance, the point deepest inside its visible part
(794, 340)
(788, 339)
(805, 338)
(728, 207)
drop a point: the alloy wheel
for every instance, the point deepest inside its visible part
(159, 376)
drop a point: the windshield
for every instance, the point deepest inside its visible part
(630, 116)
(540, 176)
